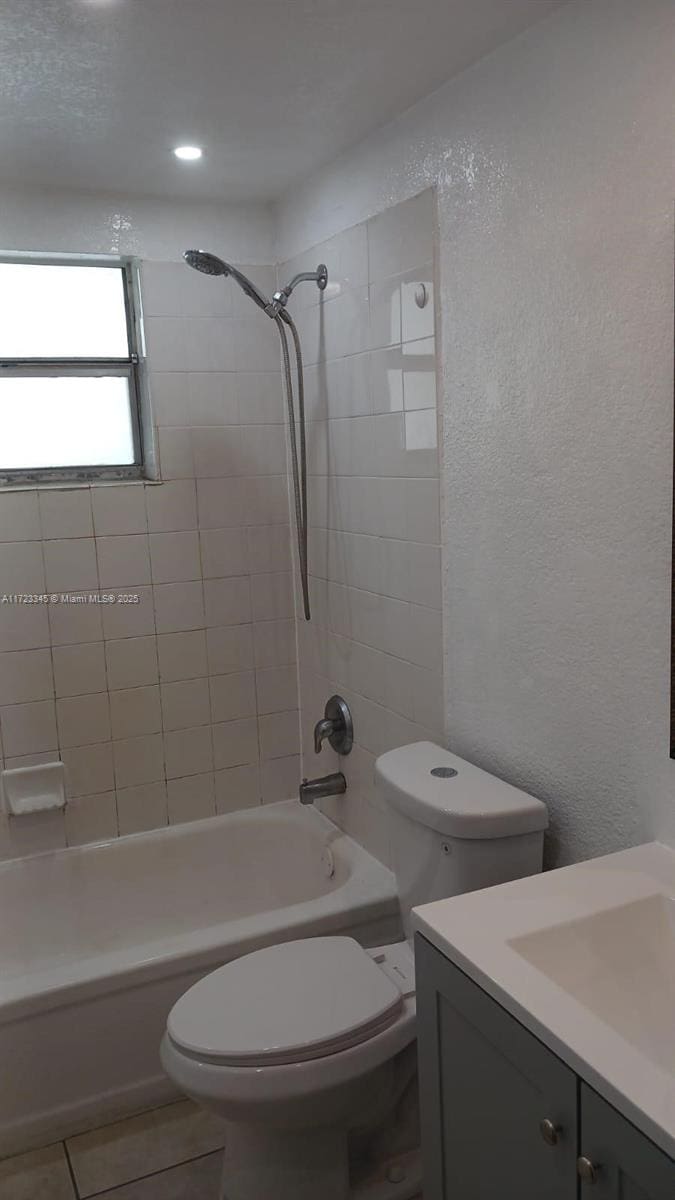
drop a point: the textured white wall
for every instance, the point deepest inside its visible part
(98, 223)
(554, 168)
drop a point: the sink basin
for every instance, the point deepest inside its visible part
(620, 964)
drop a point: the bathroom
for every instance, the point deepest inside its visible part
(486, 523)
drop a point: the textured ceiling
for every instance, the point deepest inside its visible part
(96, 92)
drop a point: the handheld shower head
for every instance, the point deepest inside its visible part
(210, 264)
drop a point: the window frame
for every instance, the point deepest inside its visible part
(132, 368)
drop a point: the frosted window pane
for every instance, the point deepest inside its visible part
(53, 422)
(62, 312)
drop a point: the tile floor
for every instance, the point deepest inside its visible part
(171, 1153)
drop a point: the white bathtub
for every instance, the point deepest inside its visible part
(97, 942)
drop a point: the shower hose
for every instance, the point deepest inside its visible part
(298, 462)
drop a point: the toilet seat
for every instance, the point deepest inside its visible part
(292, 1003)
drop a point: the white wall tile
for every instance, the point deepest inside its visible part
(272, 596)
(400, 237)
(208, 344)
(21, 567)
(280, 779)
(129, 619)
(269, 548)
(227, 601)
(223, 552)
(191, 798)
(385, 313)
(26, 675)
(233, 696)
(138, 760)
(170, 395)
(167, 343)
(178, 606)
(260, 398)
(221, 503)
(91, 819)
(135, 711)
(235, 743)
(212, 399)
(229, 648)
(66, 513)
(89, 769)
(172, 506)
(175, 453)
(188, 752)
(261, 450)
(182, 655)
(274, 643)
(79, 669)
(185, 704)
(28, 728)
(123, 560)
(131, 662)
(19, 517)
(142, 807)
(279, 734)
(83, 720)
(175, 557)
(276, 689)
(23, 626)
(265, 499)
(162, 288)
(119, 508)
(74, 623)
(256, 344)
(204, 295)
(237, 787)
(70, 565)
(217, 452)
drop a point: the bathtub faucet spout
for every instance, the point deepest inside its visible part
(327, 785)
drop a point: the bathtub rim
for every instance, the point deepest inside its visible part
(368, 897)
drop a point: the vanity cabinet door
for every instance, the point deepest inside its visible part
(617, 1162)
(498, 1110)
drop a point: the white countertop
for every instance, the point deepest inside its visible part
(602, 992)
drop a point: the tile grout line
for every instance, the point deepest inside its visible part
(150, 1175)
(71, 1171)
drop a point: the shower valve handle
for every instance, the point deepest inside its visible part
(336, 725)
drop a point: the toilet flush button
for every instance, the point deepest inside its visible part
(443, 772)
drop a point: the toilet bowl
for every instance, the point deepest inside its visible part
(296, 1046)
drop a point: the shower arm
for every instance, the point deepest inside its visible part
(280, 299)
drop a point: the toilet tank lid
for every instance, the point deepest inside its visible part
(462, 801)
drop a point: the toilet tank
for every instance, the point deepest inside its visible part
(454, 828)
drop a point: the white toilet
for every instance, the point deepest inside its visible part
(300, 1043)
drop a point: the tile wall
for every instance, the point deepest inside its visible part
(374, 552)
(185, 703)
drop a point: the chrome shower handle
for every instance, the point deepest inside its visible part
(336, 725)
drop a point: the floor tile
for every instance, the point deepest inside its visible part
(151, 1141)
(39, 1174)
(198, 1180)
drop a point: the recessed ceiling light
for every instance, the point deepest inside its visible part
(188, 153)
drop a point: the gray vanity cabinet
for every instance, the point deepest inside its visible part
(624, 1164)
(503, 1118)
(498, 1110)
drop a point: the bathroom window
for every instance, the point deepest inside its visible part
(70, 370)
